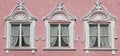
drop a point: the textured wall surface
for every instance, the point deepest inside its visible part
(41, 8)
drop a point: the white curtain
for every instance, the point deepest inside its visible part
(93, 35)
(104, 42)
(26, 34)
(54, 34)
(14, 35)
(65, 33)
(104, 36)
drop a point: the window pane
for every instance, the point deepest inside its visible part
(65, 30)
(93, 41)
(93, 35)
(64, 41)
(26, 35)
(14, 35)
(54, 30)
(93, 30)
(104, 30)
(25, 41)
(15, 30)
(104, 42)
(54, 35)
(54, 41)
(64, 35)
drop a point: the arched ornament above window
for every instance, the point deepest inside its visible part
(98, 16)
(20, 13)
(59, 16)
(20, 16)
(98, 13)
(59, 13)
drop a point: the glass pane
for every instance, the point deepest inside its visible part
(104, 30)
(54, 35)
(93, 30)
(26, 35)
(65, 30)
(64, 41)
(93, 35)
(26, 41)
(26, 29)
(15, 30)
(54, 41)
(17, 42)
(54, 30)
(104, 42)
(93, 41)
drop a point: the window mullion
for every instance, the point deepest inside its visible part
(98, 35)
(20, 36)
(59, 36)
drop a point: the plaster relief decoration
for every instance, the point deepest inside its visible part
(20, 16)
(59, 17)
(98, 13)
(100, 31)
(20, 13)
(20, 29)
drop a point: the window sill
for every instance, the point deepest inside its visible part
(59, 49)
(21, 49)
(100, 49)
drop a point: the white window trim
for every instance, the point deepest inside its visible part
(71, 31)
(59, 35)
(98, 36)
(32, 31)
(100, 8)
(20, 35)
(71, 35)
(87, 48)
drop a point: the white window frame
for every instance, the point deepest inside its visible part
(111, 36)
(8, 35)
(98, 36)
(71, 34)
(59, 36)
(20, 35)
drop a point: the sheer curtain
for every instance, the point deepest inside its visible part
(65, 34)
(93, 35)
(104, 36)
(54, 34)
(26, 34)
(14, 35)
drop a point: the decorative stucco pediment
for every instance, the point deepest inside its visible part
(99, 13)
(20, 13)
(59, 13)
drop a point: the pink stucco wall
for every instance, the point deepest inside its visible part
(40, 8)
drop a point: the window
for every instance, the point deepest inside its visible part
(59, 26)
(59, 35)
(99, 29)
(99, 36)
(20, 30)
(20, 35)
